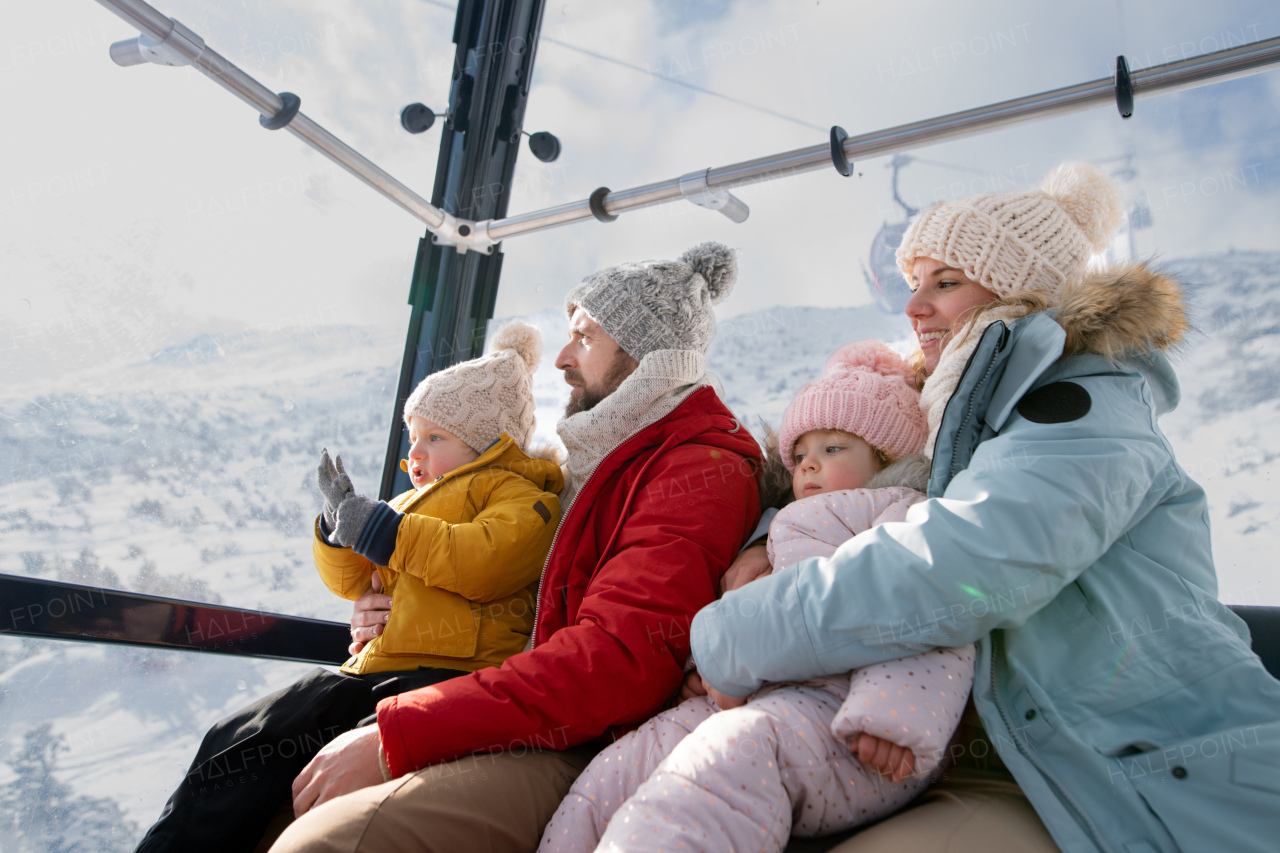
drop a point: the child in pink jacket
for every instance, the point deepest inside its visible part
(787, 761)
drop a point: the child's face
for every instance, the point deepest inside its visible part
(434, 451)
(828, 460)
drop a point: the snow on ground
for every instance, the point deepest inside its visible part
(190, 474)
(1224, 431)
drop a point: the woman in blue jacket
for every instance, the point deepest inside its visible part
(1117, 696)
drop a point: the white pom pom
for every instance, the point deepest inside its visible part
(522, 338)
(716, 263)
(1090, 198)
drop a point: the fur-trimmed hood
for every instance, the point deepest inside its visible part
(1122, 310)
(910, 472)
(547, 451)
(775, 479)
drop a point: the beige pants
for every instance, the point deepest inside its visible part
(497, 802)
(967, 811)
(501, 802)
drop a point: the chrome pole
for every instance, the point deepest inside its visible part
(1157, 80)
(153, 24)
(482, 236)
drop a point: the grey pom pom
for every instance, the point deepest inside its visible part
(715, 263)
(522, 338)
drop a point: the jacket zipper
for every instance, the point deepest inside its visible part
(555, 537)
(982, 383)
(997, 646)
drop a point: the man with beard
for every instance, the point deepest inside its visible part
(661, 494)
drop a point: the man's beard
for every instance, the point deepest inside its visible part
(621, 368)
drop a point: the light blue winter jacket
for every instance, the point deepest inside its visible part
(1065, 540)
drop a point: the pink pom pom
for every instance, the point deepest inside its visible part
(872, 356)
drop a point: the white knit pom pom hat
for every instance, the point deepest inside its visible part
(654, 305)
(1024, 240)
(480, 399)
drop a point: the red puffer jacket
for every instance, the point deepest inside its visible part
(639, 552)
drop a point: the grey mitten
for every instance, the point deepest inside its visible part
(352, 515)
(334, 485)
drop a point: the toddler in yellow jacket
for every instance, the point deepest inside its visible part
(460, 553)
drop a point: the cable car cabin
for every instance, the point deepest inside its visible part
(203, 291)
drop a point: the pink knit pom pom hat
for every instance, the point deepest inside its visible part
(867, 390)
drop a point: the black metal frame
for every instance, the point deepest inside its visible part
(53, 610)
(453, 295)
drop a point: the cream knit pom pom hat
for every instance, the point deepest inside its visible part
(867, 390)
(1035, 240)
(480, 399)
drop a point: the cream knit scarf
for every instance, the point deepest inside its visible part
(941, 384)
(662, 381)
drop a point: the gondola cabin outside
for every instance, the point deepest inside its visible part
(196, 300)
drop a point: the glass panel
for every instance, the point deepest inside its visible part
(194, 306)
(90, 761)
(680, 91)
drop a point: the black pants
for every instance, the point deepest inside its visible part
(246, 765)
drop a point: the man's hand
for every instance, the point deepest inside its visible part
(722, 701)
(750, 564)
(886, 758)
(347, 763)
(693, 686)
(371, 613)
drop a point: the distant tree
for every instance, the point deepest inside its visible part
(149, 580)
(87, 569)
(40, 814)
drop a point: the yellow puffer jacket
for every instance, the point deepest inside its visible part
(465, 569)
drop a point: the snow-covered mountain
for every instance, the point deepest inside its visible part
(190, 474)
(1224, 430)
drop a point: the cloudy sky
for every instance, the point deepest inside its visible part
(148, 200)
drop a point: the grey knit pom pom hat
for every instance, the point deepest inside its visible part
(655, 305)
(481, 399)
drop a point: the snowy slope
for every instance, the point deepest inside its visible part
(1224, 431)
(189, 473)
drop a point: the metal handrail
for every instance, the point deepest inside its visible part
(56, 610)
(153, 24)
(1159, 79)
(466, 235)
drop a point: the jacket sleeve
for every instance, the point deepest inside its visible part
(624, 654)
(344, 571)
(495, 555)
(916, 702)
(1037, 505)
